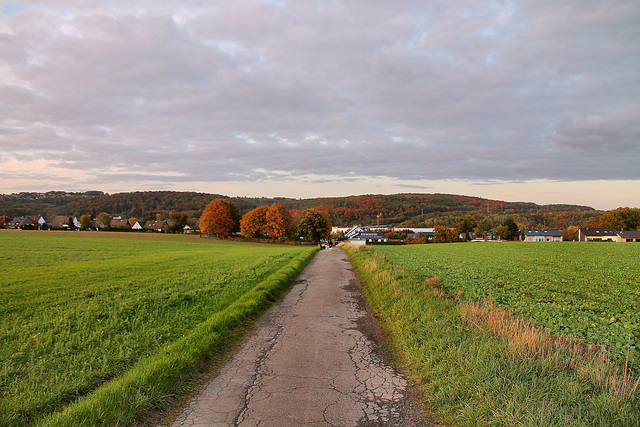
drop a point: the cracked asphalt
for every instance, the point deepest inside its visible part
(315, 358)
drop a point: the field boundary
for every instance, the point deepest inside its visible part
(154, 382)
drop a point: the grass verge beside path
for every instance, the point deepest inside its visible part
(154, 380)
(470, 377)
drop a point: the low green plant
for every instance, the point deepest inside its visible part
(586, 290)
(468, 375)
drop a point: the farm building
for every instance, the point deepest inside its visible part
(359, 236)
(415, 229)
(542, 236)
(352, 232)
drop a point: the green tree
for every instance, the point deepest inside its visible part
(444, 234)
(508, 230)
(178, 221)
(236, 216)
(314, 225)
(465, 224)
(483, 225)
(149, 216)
(105, 218)
(85, 221)
(620, 219)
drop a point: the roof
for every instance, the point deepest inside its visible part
(119, 223)
(367, 235)
(353, 232)
(19, 221)
(550, 233)
(629, 234)
(597, 232)
(155, 225)
(62, 221)
(416, 229)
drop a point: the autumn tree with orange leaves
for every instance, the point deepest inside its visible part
(279, 224)
(253, 222)
(220, 218)
(274, 221)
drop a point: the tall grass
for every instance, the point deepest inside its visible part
(474, 376)
(523, 338)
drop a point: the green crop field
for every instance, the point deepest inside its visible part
(590, 290)
(81, 310)
(476, 364)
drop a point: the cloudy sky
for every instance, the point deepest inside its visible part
(519, 100)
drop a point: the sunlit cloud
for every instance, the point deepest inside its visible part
(323, 97)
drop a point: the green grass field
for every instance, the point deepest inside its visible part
(82, 310)
(491, 369)
(590, 290)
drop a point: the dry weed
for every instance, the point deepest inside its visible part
(590, 362)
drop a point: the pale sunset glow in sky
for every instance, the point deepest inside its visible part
(517, 100)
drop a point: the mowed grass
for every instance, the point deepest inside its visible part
(469, 374)
(589, 290)
(79, 310)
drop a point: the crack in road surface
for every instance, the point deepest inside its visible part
(311, 361)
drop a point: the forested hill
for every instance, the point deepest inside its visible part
(412, 210)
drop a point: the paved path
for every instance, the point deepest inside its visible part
(313, 360)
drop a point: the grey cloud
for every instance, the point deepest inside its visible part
(237, 90)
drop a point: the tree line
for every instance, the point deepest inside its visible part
(623, 218)
(410, 210)
(222, 218)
